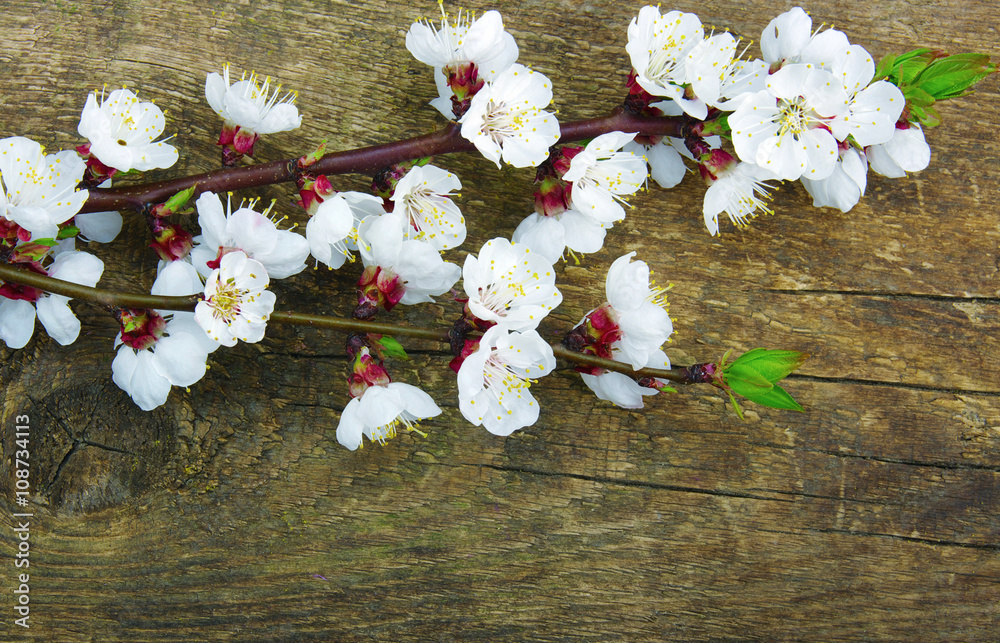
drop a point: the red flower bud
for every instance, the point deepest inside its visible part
(378, 288)
(170, 241)
(141, 327)
(366, 372)
(715, 163)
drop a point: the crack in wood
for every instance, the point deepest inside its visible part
(876, 534)
(951, 466)
(628, 483)
(62, 463)
(886, 295)
(901, 385)
(914, 539)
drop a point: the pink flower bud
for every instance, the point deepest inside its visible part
(141, 327)
(715, 163)
(378, 288)
(366, 372)
(170, 241)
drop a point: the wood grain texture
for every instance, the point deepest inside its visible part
(231, 513)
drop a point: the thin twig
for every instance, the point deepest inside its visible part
(110, 299)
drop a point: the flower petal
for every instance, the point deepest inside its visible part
(58, 319)
(17, 322)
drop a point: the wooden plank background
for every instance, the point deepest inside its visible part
(232, 513)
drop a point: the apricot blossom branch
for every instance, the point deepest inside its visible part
(365, 160)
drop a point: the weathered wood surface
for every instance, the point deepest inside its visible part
(232, 513)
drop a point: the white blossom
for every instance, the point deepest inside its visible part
(332, 232)
(282, 252)
(39, 190)
(482, 41)
(906, 151)
(739, 79)
(622, 390)
(639, 310)
(250, 104)
(418, 265)
(784, 128)
(602, 176)
(658, 46)
(872, 109)
(510, 285)
(789, 38)
(177, 358)
(551, 235)
(506, 118)
(17, 316)
(493, 382)
(666, 165)
(706, 67)
(845, 187)
(423, 199)
(738, 190)
(236, 305)
(102, 227)
(121, 131)
(381, 411)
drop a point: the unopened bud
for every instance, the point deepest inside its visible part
(312, 157)
(174, 205)
(715, 163)
(170, 241)
(140, 327)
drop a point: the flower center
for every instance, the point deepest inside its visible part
(421, 210)
(451, 35)
(500, 381)
(125, 123)
(795, 116)
(226, 301)
(663, 61)
(501, 123)
(748, 196)
(500, 294)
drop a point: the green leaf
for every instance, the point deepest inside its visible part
(34, 250)
(177, 201)
(392, 348)
(776, 398)
(773, 365)
(67, 232)
(901, 69)
(916, 96)
(746, 381)
(736, 406)
(885, 67)
(721, 127)
(312, 157)
(910, 68)
(722, 362)
(931, 118)
(955, 75)
(48, 242)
